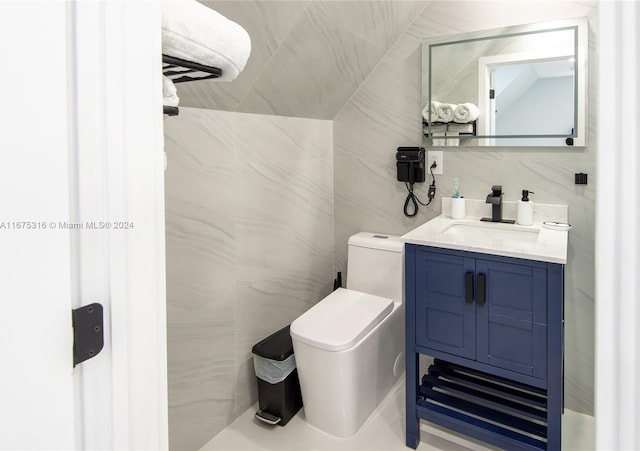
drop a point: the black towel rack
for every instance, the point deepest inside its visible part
(461, 134)
(182, 71)
(170, 110)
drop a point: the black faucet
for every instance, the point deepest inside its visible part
(495, 199)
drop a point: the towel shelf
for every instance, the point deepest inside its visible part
(445, 125)
(170, 110)
(182, 71)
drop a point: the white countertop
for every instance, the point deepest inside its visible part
(532, 242)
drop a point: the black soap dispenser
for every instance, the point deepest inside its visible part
(525, 209)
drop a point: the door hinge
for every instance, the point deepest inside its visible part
(88, 335)
(492, 93)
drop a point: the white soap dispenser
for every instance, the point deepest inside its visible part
(525, 209)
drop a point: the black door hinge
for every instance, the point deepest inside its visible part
(492, 93)
(88, 335)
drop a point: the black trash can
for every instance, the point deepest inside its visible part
(279, 397)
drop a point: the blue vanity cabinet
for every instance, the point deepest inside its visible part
(494, 325)
(445, 321)
(488, 311)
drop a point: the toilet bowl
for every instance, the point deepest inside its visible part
(349, 346)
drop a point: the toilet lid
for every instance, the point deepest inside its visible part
(341, 319)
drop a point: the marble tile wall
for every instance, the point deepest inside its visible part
(249, 242)
(385, 113)
(308, 56)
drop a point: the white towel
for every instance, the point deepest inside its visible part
(196, 33)
(465, 113)
(461, 128)
(430, 111)
(438, 141)
(426, 113)
(452, 142)
(454, 130)
(169, 92)
(445, 112)
(436, 128)
(436, 132)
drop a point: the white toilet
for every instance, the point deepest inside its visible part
(349, 347)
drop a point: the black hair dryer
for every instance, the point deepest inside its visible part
(410, 164)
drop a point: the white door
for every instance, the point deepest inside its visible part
(77, 149)
(36, 388)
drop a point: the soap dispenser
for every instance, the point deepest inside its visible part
(525, 209)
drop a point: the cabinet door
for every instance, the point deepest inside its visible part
(444, 320)
(512, 322)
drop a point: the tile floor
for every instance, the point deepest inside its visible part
(384, 430)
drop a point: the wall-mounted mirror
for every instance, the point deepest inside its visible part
(516, 86)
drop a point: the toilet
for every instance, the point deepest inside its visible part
(349, 347)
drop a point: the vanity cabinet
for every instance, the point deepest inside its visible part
(483, 310)
(494, 325)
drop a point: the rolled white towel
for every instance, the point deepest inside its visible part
(466, 112)
(430, 111)
(169, 92)
(434, 110)
(426, 113)
(445, 112)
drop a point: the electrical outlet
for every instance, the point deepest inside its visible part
(435, 155)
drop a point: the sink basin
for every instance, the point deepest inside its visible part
(533, 242)
(492, 231)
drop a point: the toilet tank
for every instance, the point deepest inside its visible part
(375, 265)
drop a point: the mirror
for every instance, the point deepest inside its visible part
(516, 86)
